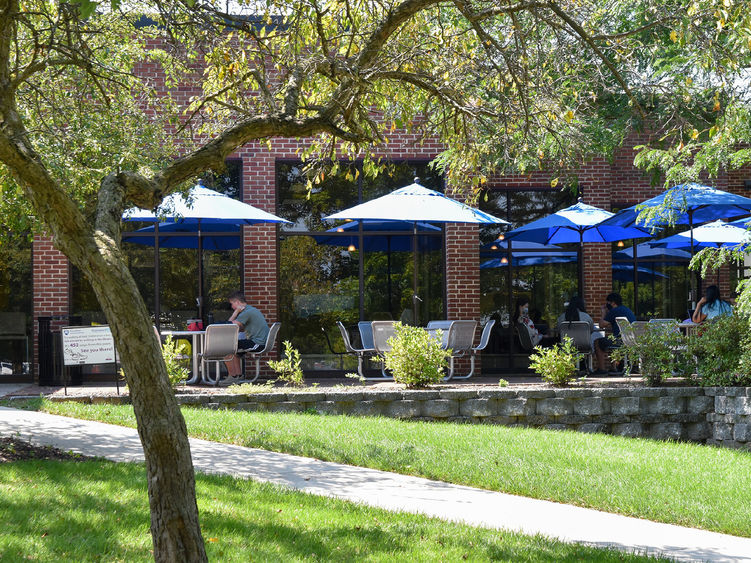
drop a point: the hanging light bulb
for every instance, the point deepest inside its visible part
(620, 244)
(504, 260)
(494, 247)
(351, 248)
(340, 230)
(502, 237)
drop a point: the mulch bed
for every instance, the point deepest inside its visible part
(12, 449)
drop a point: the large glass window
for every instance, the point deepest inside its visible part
(509, 271)
(357, 273)
(15, 306)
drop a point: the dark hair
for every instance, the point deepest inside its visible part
(615, 298)
(237, 296)
(712, 293)
(575, 305)
(520, 302)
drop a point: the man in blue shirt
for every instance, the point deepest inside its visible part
(250, 321)
(612, 309)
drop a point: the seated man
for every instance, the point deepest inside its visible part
(613, 308)
(252, 323)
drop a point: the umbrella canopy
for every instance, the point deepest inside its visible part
(185, 235)
(378, 236)
(417, 203)
(203, 206)
(578, 223)
(685, 204)
(718, 234)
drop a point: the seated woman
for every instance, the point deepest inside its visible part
(521, 316)
(711, 306)
(576, 311)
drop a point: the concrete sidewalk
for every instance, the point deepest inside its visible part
(392, 491)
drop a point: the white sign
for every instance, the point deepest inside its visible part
(87, 345)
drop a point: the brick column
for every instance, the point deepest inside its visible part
(51, 287)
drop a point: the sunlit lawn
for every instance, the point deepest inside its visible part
(98, 511)
(679, 483)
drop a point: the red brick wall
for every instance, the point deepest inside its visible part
(51, 287)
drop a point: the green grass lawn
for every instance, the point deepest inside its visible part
(678, 483)
(98, 511)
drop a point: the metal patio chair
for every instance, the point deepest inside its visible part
(219, 345)
(580, 333)
(461, 337)
(268, 346)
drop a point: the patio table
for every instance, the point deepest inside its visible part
(197, 337)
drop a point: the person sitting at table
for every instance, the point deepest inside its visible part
(521, 316)
(612, 309)
(252, 326)
(576, 311)
(711, 306)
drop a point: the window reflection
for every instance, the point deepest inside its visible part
(15, 305)
(362, 272)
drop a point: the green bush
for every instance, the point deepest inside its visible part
(173, 354)
(557, 365)
(721, 348)
(660, 352)
(288, 368)
(416, 358)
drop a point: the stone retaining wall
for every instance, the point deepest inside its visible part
(712, 415)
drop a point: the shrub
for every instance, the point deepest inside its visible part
(416, 358)
(721, 349)
(557, 365)
(660, 352)
(173, 354)
(288, 368)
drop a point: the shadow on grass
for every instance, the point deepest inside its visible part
(98, 511)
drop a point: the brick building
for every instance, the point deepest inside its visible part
(307, 286)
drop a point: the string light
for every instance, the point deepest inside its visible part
(504, 260)
(340, 230)
(502, 237)
(351, 248)
(620, 244)
(494, 247)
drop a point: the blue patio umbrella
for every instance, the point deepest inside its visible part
(685, 204)
(717, 234)
(578, 223)
(214, 236)
(415, 203)
(201, 210)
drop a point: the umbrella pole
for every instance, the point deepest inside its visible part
(691, 272)
(636, 281)
(200, 272)
(415, 297)
(581, 264)
(157, 281)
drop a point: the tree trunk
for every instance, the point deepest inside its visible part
(175, 528)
